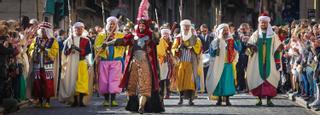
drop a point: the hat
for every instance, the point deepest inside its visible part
(264, 17)
(185, 22)
(33, 21)
(112, 18)
(45, 25)
(78, 24)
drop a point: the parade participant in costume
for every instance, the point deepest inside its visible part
(165, 62)
(263, 78)
(110, 64)
(76, 60)
(44, 50)
(141, 75)
(173, 80)
(220, 79)
(187, 47)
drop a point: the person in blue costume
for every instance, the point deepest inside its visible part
(220, 77)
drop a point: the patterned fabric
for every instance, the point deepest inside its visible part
(52, 48)
(185, 55)
(43, 66)
(231, 52)
(140, 78)
(43, 81)
(178, 51)
(141, 41)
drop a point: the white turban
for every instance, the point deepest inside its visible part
(220, 29)
(109, 20)
(264, 18)
(78, 24)
(164, 31)
(112, 18)
(33, 21)
(184, 23)
(269, 30)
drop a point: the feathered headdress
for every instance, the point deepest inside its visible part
(143, 10)
(143, 18)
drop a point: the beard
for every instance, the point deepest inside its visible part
(186, 35)
(141, 30)
(264, 27)
(225, 36)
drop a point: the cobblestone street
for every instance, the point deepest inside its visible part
(242, 104)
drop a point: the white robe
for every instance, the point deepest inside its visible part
(253, 75)
(69, 71)
(216, 65)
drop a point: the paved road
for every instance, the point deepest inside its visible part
(242, 104)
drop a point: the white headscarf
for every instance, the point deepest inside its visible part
(269, 31)
(220, 29)
(183, 23)
(109, 20)
(164, 31)
(79, 24)
(33, 21)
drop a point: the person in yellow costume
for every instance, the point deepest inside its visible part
(165, 62)
(187, 47)
(74, 83)
(111, 62)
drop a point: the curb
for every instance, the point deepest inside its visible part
(302, 103)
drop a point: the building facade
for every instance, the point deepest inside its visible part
(199, 11)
